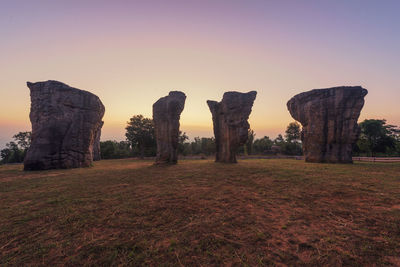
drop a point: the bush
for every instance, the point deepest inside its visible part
(115, 150)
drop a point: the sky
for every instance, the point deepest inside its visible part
(131, 53)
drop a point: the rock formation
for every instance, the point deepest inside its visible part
(96, 145)
(329, 118)
(65, 122)
(166, 114)
(230, 123)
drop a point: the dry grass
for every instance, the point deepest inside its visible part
(257, 212)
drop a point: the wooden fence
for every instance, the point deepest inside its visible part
(367, 159)
(377, 159)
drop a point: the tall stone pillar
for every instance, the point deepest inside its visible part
(166, 114)
(230, 123)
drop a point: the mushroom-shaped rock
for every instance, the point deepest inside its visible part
(329, 119)
(65, 122)
(230, 123)
(166, 114)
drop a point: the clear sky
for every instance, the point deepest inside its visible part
(130, 53)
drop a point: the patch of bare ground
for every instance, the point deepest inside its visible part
(258, 212)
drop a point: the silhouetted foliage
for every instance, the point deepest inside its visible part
(200, 146)
(291, 144)
(377, 137)
(250, 142)
(140, 134)
(247, 148)
(15, 151)
(115, 150)
(279, 141)
(262, 145)
(181, 143)
(293, 132)
(292, 149)
(23, 139)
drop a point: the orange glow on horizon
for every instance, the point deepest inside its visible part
(203, 48)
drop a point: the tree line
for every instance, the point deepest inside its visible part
(15, 150)
(141, 142)
(377, 138)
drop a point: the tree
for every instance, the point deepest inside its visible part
(6, 155)
(204, 145)
(398, 148)
(182, 137)
(140, 133)
(279, 141)
(181, 143)
(377, 137)
(115, 150)
(12, 153)
(208, 146)
(291, 145)
(263, 145)
(15, 151)
(23, 139)
(196, 146)
(249, 142)
(292, 133)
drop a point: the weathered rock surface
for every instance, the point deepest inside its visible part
(230, 123)
(329, 119)
(65, 122)
(96, 145)
(166, 114)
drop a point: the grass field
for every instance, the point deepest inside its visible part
(200, 213)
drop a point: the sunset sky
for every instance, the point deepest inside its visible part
(131, 53)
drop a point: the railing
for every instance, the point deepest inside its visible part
(270, 157)
(366, 159)
(377, 159)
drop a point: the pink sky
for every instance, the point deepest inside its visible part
(130, 53)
